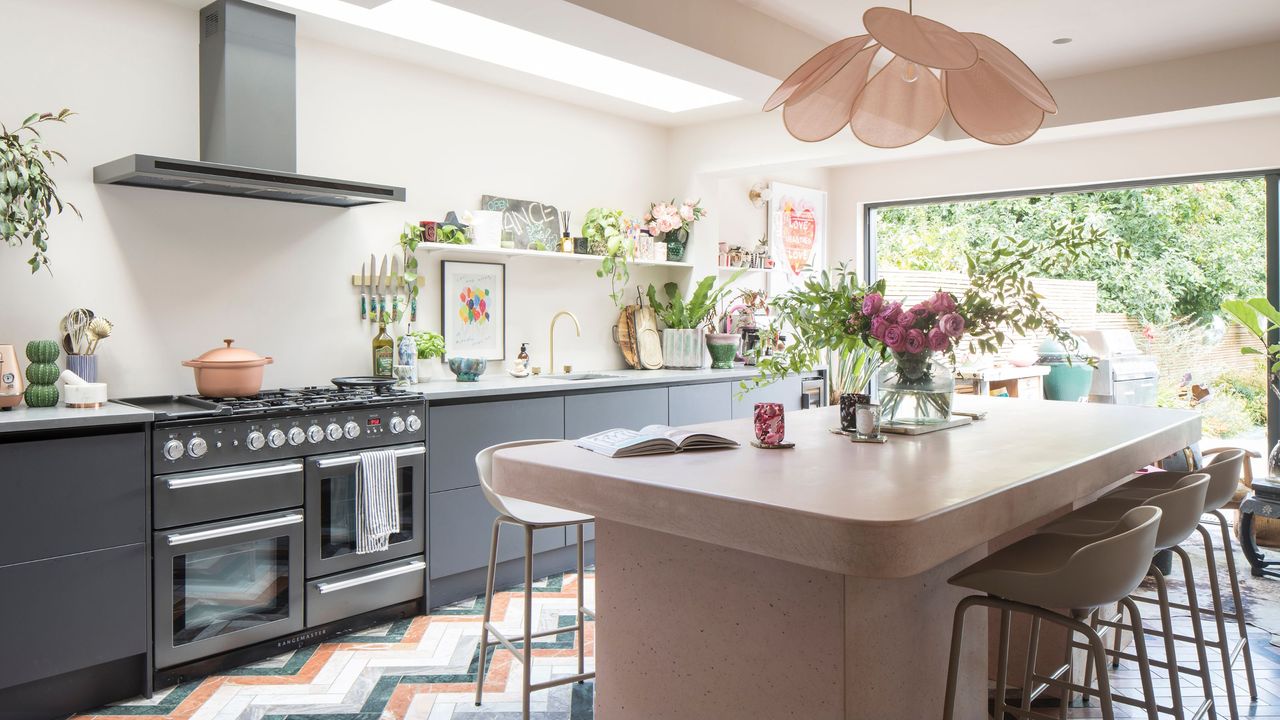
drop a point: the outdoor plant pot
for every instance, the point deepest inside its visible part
(723, 348)
(682, 349)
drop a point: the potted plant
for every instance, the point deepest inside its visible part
(670, 223)
(1260, 318)
(28, 194)
(604, 230)
(686, 321)
(430, 346)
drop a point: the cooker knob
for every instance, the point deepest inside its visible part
(296, 435)
(275, 438)
(256, 440)
(333, 432)
(315, 433)
(197, 447)
(351, 430)
(173, 450)
(397, 425)
(413, 423)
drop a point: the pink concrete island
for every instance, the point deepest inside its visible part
(811, 583)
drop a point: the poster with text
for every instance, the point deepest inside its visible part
(473, 309)
(797, 235)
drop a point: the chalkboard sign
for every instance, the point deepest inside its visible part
(533, 224)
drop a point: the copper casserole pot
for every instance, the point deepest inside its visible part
(228, 371)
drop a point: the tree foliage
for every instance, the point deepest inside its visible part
(1189, 246)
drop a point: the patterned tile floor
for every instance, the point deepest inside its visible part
(424, 669)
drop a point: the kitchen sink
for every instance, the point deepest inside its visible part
(582, 376)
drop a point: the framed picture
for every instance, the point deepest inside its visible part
(473, 309)
(797, 234)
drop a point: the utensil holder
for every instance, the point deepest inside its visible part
(86, 366)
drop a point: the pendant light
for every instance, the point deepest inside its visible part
(992, 95)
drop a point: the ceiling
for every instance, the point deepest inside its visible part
(1106, 34)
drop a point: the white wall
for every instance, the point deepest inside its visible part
(177, 272)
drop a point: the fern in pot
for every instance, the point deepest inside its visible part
(687, 321)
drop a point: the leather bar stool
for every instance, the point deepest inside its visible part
(1224, 472)
(529, 516)
(1052, 570)
(1180, 507)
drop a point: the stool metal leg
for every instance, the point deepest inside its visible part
(1140, 649)
(488, 609)
(1223, 644)
(528, 622)
(582, 625)
(1028, 675)
(1002, 662)
(1197, 629)
(1228, 549)
(1170, 649)
(953, 666)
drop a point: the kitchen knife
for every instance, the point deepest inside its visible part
(373, 298)
(384, 280)
(364, 297)
(375, 293)
(395, 288)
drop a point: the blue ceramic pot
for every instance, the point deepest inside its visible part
(467, 369)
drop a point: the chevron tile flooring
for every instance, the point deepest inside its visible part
(418, 669)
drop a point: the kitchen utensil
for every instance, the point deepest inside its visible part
(76, 324)
(228, 371)
(363, 381)
(11, 386)
(373, 298)
(99, 328)
(67, 347)
(648, 339)
(467, 369)
(395, 288)
(384, 280)
(364, 296)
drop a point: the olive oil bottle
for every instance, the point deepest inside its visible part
(383, 352)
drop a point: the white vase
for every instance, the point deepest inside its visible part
(682, 349)
(427, 369)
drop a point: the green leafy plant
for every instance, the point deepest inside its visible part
(451, 235)
(28, 194)
(1260, 318)
(680, 314)
(430, 344)
(410, 238)
(604, 230)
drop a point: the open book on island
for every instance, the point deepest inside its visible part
(652, 440)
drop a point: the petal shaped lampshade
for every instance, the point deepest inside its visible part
(991, 93)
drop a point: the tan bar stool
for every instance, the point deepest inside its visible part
(529, 516)
(1049, 570)
(1180, 509)
(1224, 477)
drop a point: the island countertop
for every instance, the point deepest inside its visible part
(890, 510)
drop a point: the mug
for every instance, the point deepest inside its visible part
(770, 424)
(849, 403)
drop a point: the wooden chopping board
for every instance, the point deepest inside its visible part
(648, 339)
(624, 333)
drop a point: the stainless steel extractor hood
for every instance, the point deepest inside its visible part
(248, 120)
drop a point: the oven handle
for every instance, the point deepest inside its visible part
(184, 538)
(195, 480)
(326, 588)
(353, 459)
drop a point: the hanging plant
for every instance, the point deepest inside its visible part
(28, 194)
(410, 238)
(605, 231)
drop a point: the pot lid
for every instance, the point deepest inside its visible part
(229, 357)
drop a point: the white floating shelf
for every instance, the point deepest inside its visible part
(543, 254)
(744, 271)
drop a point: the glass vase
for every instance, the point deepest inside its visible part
(676, 241)
(915, 389)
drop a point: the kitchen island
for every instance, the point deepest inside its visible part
(811, 583)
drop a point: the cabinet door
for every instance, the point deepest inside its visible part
(693, 404)
(71, 495)
(461, 523)
(72, 612)
(632, 409)
(785, 391)
(458, 432)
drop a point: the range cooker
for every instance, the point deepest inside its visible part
(253, 507)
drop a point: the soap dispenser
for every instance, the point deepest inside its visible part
(520, 366)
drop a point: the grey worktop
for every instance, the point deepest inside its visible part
(25, 419)
(445, 387)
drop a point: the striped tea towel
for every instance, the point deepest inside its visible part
(377, 502)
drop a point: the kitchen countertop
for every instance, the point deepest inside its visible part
(445, 387)
(24, 419)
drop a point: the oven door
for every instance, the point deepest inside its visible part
(222, 586)
(331, 511)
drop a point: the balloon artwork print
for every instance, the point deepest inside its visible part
(473, 308)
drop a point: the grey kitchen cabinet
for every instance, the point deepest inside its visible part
(633, 409)
(693, 404)
(72, 612)
(69, 495)
(785, 391)
(461, 527)
(457, 432)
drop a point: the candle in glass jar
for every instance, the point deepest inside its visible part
(770, 424)
(868, 419)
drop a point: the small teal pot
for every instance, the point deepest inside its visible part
(467, 369)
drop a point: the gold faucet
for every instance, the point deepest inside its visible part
(551, 369)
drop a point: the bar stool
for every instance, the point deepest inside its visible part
(1180, 509)
(1224, 476)
(529, 516)
(1050, 570)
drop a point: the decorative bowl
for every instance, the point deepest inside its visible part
(467, 369)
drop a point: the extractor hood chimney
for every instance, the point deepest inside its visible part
(248, 120)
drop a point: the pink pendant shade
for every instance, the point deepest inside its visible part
(992, 95)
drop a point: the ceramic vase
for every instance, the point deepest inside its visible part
(676, 241)
(427, 369)
(915, 389)
(723, 348)
(86, 366)
(682, 348)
